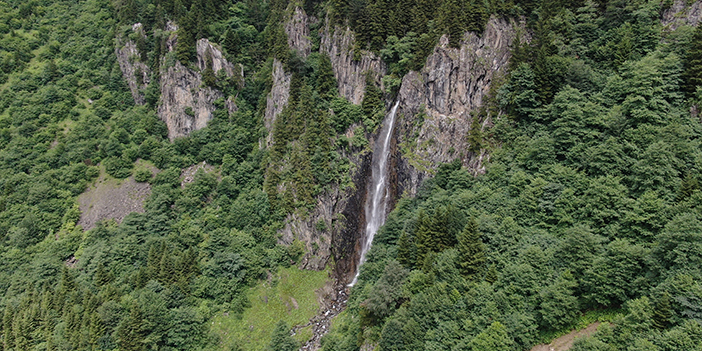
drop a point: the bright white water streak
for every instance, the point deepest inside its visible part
(378, 195)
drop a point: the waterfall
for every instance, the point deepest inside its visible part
(378, 195)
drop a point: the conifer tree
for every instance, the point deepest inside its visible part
(130, 331)
(8, 336)
(167, 272)
(662, 312)
(232, 42)
(471, 251)
(491, 276)
(102, 275)
(452, 21)
(281, 339)
(688, 186)
(421, 239)
(325, 80)
(185, 50)
(693, 63)
(372, 103)
(153, 261)
(405, 250)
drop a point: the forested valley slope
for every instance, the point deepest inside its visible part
(193, 174)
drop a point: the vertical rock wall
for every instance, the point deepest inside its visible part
(136, 73)
(437, 103)
(298, 31)
(339, 44)
(186, 103)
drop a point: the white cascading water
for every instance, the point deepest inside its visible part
(378, 195)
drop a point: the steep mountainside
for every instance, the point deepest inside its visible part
(465, 175)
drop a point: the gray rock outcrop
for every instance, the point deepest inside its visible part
(136, 73)
(680, 14)
(298, 30)
(437, 104)
(186, 103)
(277, 98)
(339, 44)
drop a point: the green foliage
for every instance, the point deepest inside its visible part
(142, 175)
(281, 339)
(471, 251)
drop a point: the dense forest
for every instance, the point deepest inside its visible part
(590, 208)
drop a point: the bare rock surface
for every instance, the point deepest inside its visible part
(186, 103)
(437, 104)
(339, 44)
(111, 198)
(136, 73)
(680, 13)
(298, 30)
(277, 98)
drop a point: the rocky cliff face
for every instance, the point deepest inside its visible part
(437, 104)
(277, 98)
(186, 103)
(350, 74)
(297, 27)
(298, 31)
(135, 72)
(680, 13)
(329, 231)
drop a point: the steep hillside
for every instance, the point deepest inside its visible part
(201, 174)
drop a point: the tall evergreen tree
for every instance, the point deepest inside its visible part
(662, 312)
(281, 339)
(693, 63)
(130, 332)
(471, 250)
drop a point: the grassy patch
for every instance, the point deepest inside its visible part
(271, 302)
(589, 317)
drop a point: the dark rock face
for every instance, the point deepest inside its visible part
(347, 236)
(437, 104)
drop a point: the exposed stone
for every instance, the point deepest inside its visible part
(130, 64)
(207, 53)
(298, 30)
(110, 198)
(452, 85)
(332, 229)
(277, 98)
(186, 104)
(339, 44)
(680, 13)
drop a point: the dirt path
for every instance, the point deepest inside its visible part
(332, 301)
(565, 342)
